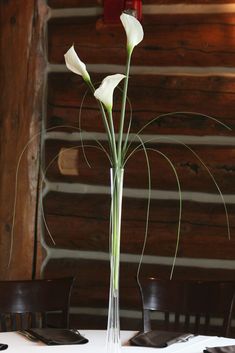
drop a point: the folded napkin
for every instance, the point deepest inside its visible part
(3, 346)
(225, 349)
(158, 339)
(56, 336)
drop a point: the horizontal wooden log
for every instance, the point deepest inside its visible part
(150, 95)
(82, 222)
(91, 287)
(88, 3)
(170, 40)
(192, 173)
(72, 3)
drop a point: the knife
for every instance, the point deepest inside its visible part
(181, 339)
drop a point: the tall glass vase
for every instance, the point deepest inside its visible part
(113, 343)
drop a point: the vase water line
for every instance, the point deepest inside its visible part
(113, 342)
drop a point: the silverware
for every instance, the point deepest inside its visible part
(185, 338)
(28, 335)
(74, 330)
(181, 339)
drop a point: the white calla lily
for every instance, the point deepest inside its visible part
(104, 93)
(134, 30)
(75, 65)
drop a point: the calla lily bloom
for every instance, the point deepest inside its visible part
(134, 30)
(104, 93)
(75, 65)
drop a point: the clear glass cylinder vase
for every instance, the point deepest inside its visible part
(113, 342)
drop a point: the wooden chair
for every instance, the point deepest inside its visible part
(188, 306)
(26, 304)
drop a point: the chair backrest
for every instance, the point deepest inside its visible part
(26, 304)
(189, 306)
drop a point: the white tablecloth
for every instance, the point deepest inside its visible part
(19, 344)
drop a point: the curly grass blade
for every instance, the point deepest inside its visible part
(174, 113)
(204, 165)
(218, 188)
(44, 179)
(80, 125)
(142, 146)
(147, 210)
(17, 176)
(123, 108)
(15, 197)
(214, 181)
(185, 113)
(128, 131)
(180, 207)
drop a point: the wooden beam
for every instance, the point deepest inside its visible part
(179, 40)
(21, 65)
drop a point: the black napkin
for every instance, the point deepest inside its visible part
(225, 349)
(3, 346)
(56, 336)
(157, 339)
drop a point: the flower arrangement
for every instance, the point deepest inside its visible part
(119, 151)
(117, 155)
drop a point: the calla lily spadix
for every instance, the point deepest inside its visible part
(134, 30)
(104, 93)
(75, 65)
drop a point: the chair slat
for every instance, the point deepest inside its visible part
(34, 320)
(3, 322)
(44, 319)
(177, 321)
(186, 322)
(146, 321)
(167, 320)
(197, 323)
(207, 324)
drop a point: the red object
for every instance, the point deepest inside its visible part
(114, 8)
(134, 7)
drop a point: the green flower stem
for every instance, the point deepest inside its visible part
(113, 141)
(123, 109)
(105, 120)
(116, 210)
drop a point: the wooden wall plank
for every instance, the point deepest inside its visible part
(72, 3)
(87, 3)
(192, 174)
(200, 40)
(21, 65)
(150, 95)
(203, 229)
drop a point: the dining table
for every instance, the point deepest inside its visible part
(19, 344)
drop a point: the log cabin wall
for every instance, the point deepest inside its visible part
(185, 63)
